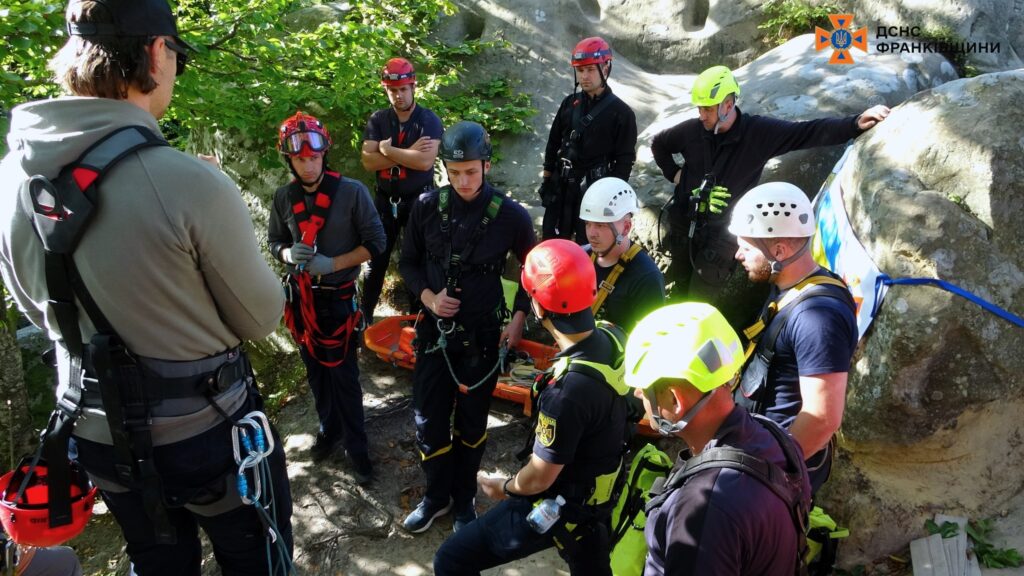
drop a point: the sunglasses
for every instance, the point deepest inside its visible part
(312, 140)
(181, 55)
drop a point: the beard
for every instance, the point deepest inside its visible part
(761, 273)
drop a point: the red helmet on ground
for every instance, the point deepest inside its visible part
(303, 135)
(397, 72)
(560, 276)
(25, 514)
(593, 50)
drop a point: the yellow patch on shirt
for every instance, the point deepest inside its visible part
(546, 429)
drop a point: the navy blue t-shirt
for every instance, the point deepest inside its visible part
(582, 421)
(723, 522)
(383, 124)
(819, 338)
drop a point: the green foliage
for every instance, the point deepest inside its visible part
(785, 19)
(990, 556)
(258, 61)
(8, 311)
(947, 529)
(945, 36)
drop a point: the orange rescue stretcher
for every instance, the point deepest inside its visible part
(391, 339)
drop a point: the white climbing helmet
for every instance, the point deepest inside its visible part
(773, 210)
(608, 200)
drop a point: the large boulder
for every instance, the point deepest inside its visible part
(973, 21)
(933, 409)
(793, 82)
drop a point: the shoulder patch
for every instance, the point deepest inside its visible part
(546, 429)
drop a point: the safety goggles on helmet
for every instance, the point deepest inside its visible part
(313, 141)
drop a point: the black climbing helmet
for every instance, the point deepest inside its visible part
(465, 141)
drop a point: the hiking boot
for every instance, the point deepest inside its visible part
(362, 468)
(423, 516)
(323, 447)
(463, 514)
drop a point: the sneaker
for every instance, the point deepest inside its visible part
(362, 468)
(463, 515)
(323, 447)
(423, 516)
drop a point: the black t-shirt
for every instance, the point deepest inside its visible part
(639, 290)
(422, 263)
(609, 141)
(383, 124)
(723, 522)
(582, 421)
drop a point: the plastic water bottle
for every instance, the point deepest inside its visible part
(544, 515)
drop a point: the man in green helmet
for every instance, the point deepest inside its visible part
(724, 152)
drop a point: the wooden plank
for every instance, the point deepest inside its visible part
(929, 557)
(938, 553)
(960, 567)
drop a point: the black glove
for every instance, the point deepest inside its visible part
(548, 192)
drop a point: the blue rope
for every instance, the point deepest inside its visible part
(1004, 314)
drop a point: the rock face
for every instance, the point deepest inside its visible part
(793, 82)
(933, 409)
(978, 21)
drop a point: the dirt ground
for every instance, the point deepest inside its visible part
(340, 527)
(343, 529)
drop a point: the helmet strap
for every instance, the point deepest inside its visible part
(779, 265)
(720, 120)
(666, 428)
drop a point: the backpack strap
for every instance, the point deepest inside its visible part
(608, 284)
(787, 484)
(60, 212)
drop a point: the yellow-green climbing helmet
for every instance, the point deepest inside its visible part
(713, 85)
(691, 341)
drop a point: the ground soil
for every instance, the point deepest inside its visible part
(342, 528)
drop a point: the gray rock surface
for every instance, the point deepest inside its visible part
(933, 408)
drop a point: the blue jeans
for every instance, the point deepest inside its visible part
(193, 471)
(502, 535)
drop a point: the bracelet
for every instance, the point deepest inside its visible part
(504, 487)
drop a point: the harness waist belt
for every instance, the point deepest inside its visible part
(168, 380)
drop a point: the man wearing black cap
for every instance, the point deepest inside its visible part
(149, 315)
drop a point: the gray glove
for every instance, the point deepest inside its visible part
(297, 254)
(320, 265)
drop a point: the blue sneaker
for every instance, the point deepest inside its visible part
(420, 519)
(463, 515)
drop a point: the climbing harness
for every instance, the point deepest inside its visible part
(608, 284)
(300, 313)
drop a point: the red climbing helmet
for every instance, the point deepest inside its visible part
(24, 505)
(303, 135)
(593, 50)
(397, 72)
(560, 276)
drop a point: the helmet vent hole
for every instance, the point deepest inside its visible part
(787, 214)
(775, 213)
(770, 229)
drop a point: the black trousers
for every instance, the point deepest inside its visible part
(451, 425)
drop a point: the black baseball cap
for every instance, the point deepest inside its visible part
(141, 18)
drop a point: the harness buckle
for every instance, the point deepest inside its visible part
(607, 286)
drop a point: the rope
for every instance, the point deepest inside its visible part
(885, 280)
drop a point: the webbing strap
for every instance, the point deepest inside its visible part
(60, 213)
(795, 294)
(608, 285)
(444, 208)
